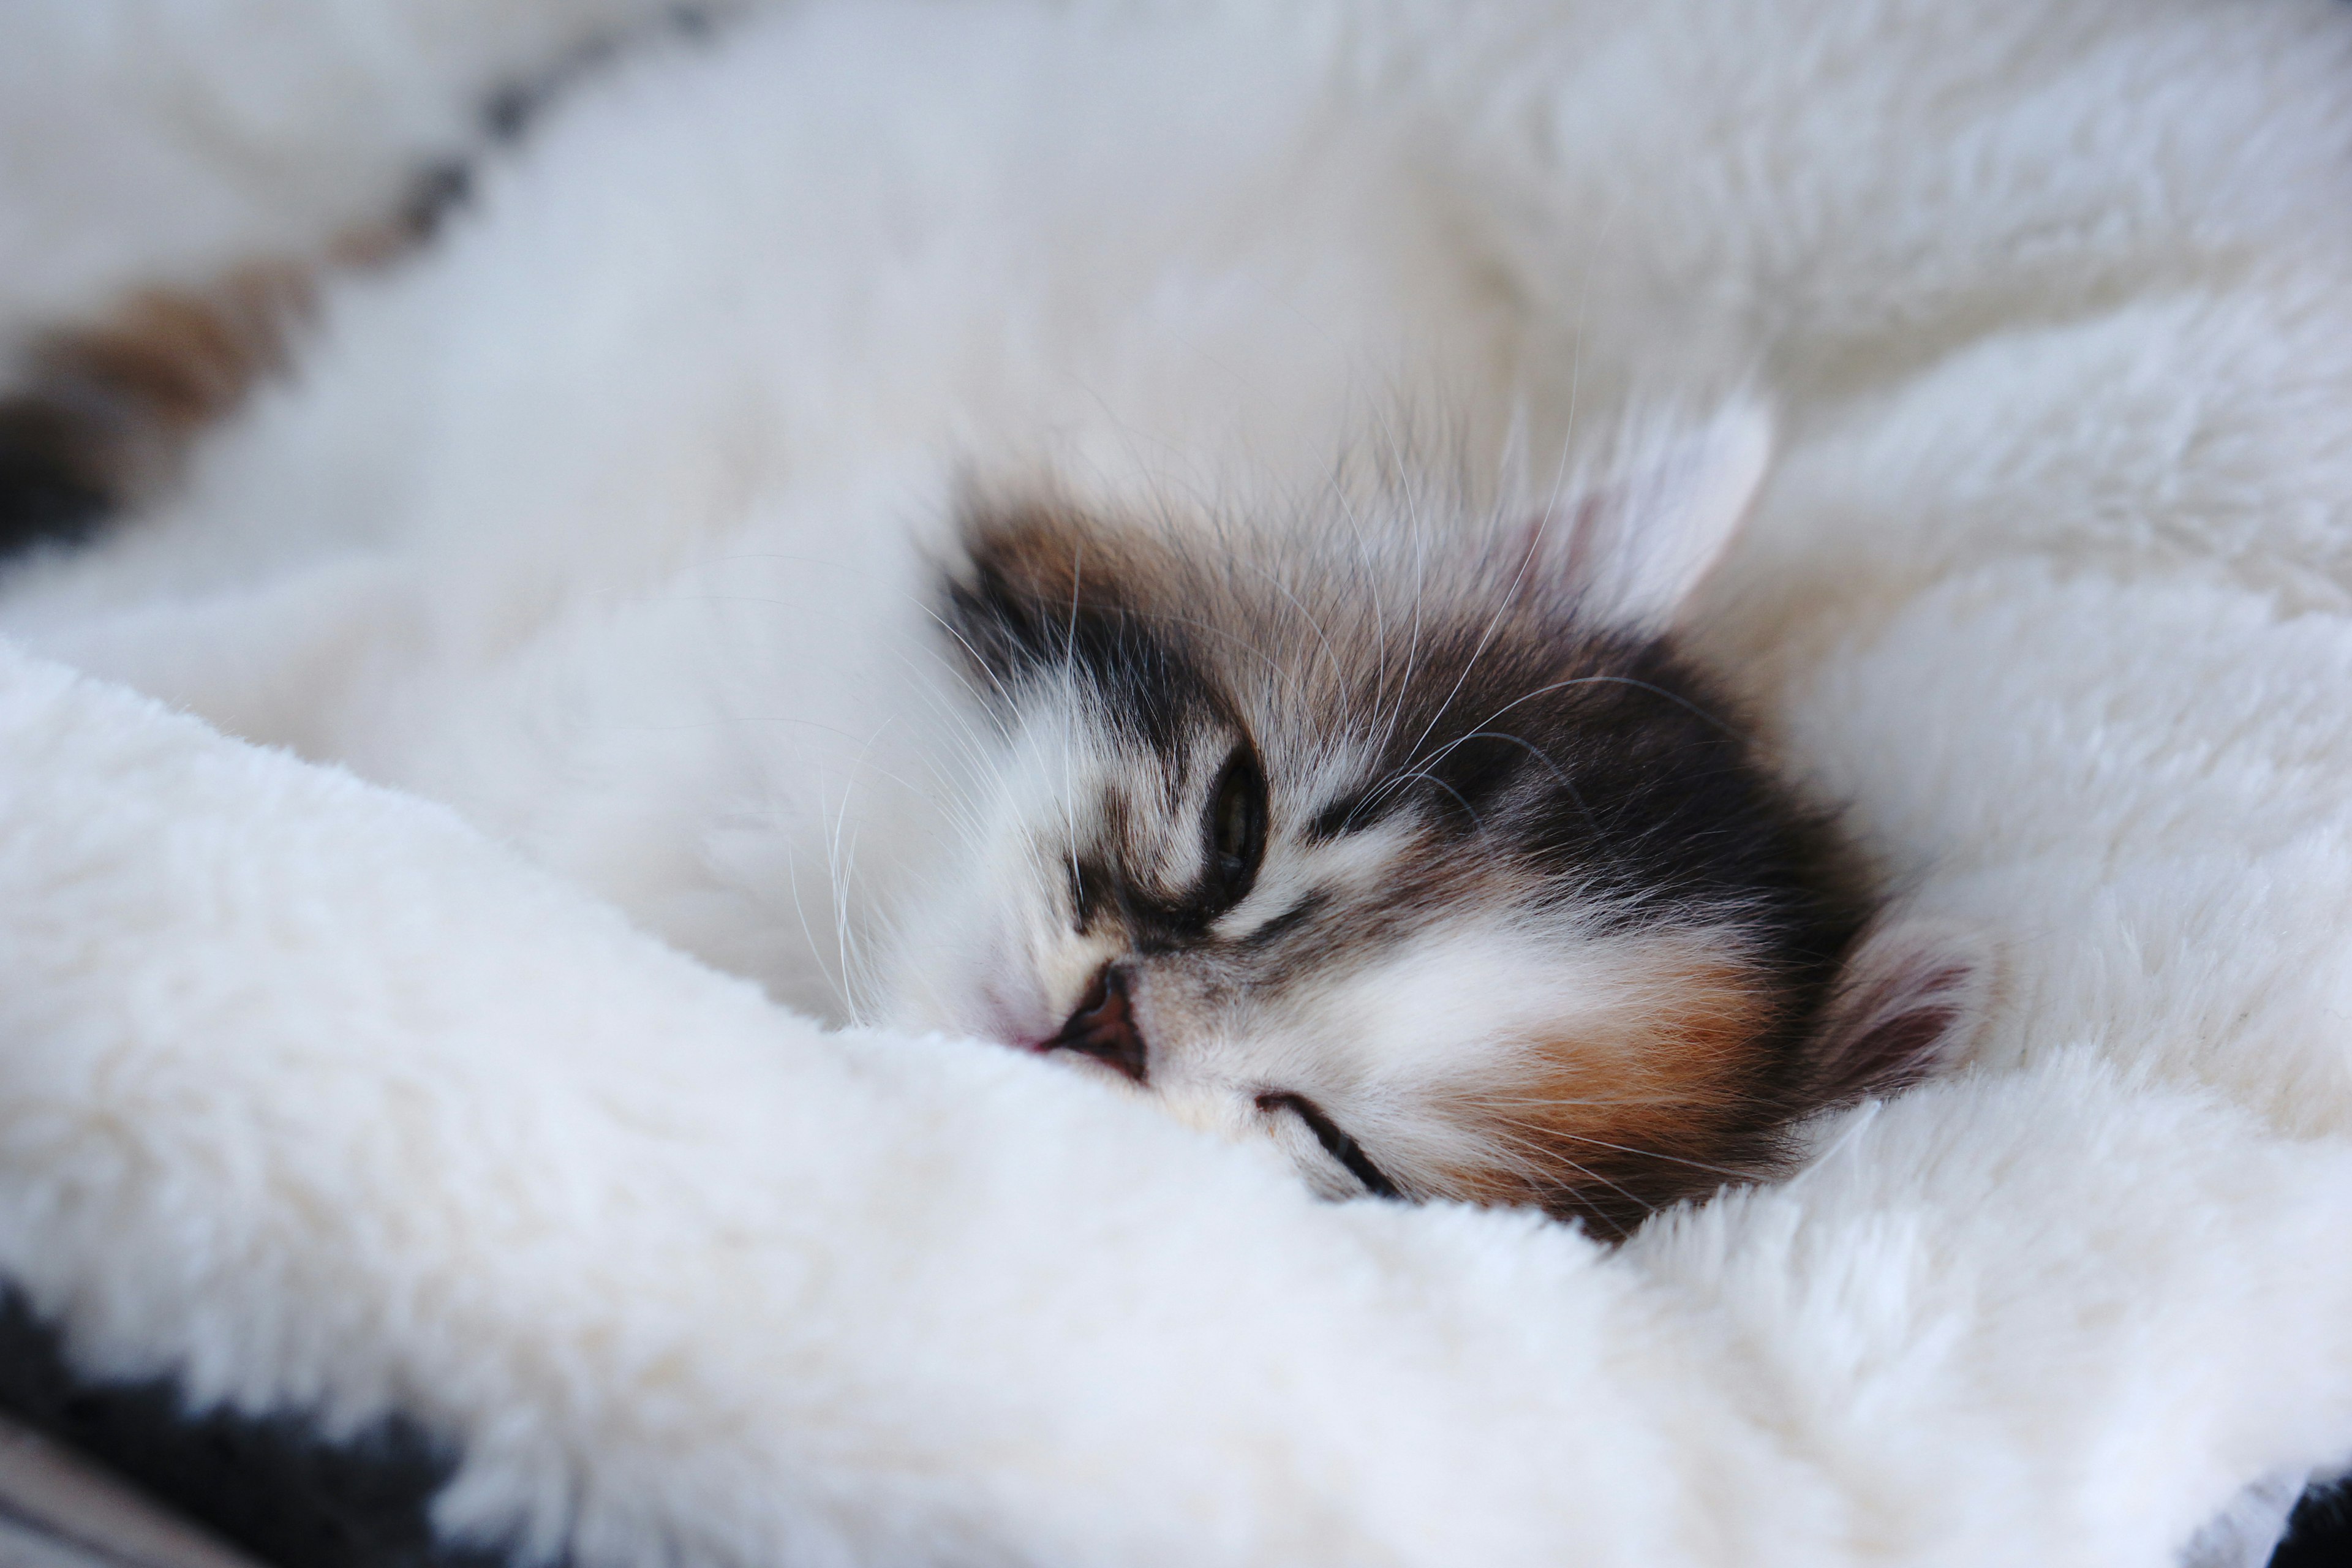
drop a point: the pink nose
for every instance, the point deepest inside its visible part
(1103, 1027)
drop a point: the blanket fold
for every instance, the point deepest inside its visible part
(317, 1102)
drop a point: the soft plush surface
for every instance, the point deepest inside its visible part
(320, 1096)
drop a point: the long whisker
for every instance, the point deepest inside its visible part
(1644, 1153)
(1486, 639)
(1540, 755)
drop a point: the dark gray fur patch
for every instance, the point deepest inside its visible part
(56, 483)
(270, 1484)
(2319, 1534)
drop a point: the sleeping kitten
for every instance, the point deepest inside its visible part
(1425, 855)
(1416, 848)
(1414, 845)
(1406, 840)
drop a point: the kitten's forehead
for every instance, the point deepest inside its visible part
(1437, 690)
(1392, 688)
(1316, 635)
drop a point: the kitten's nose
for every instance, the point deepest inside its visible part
(1104, 1025)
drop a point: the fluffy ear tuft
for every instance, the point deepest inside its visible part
(1911, 997)
(1637, 538)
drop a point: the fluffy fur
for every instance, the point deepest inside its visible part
(1553, 933)
(2051, 305)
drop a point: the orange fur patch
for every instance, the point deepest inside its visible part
(1644, 1105)
(181, 357)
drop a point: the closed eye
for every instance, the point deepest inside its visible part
(1236, 829)
(1336, 1143)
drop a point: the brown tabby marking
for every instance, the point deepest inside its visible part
(122, 396)
(108, 408)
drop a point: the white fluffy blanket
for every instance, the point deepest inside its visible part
(315, 1096)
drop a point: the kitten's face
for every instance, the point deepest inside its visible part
(1420, 867)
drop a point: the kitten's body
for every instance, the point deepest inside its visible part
(620, 523)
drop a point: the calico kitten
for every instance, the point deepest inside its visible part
(1428, 855)
(1420, 849)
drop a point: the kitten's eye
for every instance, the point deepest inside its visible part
(1336, 1143)
(1236, 827)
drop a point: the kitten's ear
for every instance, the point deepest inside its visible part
(1910, 999)
(1640, 536)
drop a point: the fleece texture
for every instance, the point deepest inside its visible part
(393, 1026)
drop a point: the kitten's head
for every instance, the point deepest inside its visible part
(1415, 849)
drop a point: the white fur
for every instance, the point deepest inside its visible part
(164, 144)
(317, 1095)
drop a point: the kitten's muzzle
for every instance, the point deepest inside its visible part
(1104, 1025)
